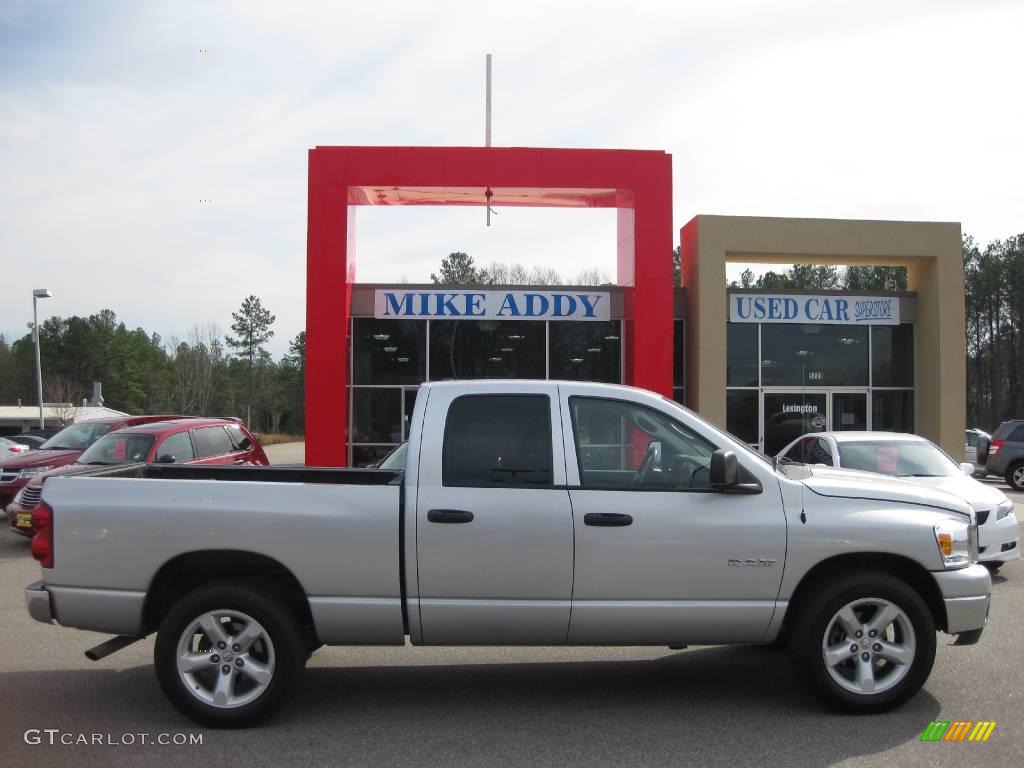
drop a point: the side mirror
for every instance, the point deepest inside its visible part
(654, 452)
(982, 448)
(967, 468)
(725, 472)
(165, 459)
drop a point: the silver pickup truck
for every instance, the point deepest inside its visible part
(540, 513)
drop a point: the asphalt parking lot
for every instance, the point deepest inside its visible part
(704, 706)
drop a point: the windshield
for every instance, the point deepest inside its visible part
(77, 437)
(118, 448)
(395, 459)
(901, 458)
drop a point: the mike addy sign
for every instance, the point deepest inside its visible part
(832, 310)
(491, 305)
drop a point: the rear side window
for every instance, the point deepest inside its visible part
(178, 446)
(1004, 429)
(498, 440)
(1017, 436)
(239, 439)
(212, 441)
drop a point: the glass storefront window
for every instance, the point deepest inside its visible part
(486, 349)
(679, 354)
(741, 354)
(376, 415)
(585, 351)
(892, 410)
(814, 355)
(892, 355)
(389, 351)
(741, 414)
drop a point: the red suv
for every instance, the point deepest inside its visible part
(179, 441)
(63, 448)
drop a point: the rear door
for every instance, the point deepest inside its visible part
(493, 523)
(213, 446)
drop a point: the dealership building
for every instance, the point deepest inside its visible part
(767, 365)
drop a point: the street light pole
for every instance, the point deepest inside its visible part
(38, 293)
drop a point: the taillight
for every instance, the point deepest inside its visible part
(42, 542)
(994, 447)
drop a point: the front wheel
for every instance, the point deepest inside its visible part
(865, 643)
(227, 656)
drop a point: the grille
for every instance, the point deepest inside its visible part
(983, 516)
(30, 498)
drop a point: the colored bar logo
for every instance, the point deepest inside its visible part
(958, 730)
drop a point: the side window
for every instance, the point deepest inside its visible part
(622, 446)
(498, 440)
(1017, 436)
(212, 441)
(239, 440)
(972, 439)
(796, 453)
(179, 446)
(818, 451)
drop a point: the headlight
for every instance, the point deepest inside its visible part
(1004, 509)
(954, 540)
(33, 471)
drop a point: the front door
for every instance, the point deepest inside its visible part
(494, 528)
(661, 558)
(789, 414)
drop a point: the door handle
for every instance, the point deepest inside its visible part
(449, 516)
(607, 519)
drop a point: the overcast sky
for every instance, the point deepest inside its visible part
(114, 125)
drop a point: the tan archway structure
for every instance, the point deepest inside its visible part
(931, 252)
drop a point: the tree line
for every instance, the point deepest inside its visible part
(204, 374)
(233, 375)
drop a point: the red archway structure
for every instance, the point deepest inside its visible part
(637, 183)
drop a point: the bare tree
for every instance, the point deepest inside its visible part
(592, 276)
(193, 364)
(60, 396)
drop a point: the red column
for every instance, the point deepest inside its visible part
(330, 267)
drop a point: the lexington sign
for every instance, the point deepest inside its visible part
(492, 305)
(828, 310)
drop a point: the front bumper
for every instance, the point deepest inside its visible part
(967, 594)
(37, 600)
(998, 539)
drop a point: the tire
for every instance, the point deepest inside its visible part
(993, 566)
(263, 668)
(879, 682)
(1015, 476)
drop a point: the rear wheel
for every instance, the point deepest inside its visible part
(1015, 476)
(227, 656)
(993, 566)
(865, 643)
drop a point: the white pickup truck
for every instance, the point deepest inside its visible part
(541, 513)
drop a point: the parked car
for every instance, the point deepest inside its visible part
(528, 513)
(922, 462)
(395, 459)
(1006, 453)
(60, 449)
(9, 447)
(31, 441)
(972, 437)
(181, 441)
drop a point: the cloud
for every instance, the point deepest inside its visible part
(113, 126)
